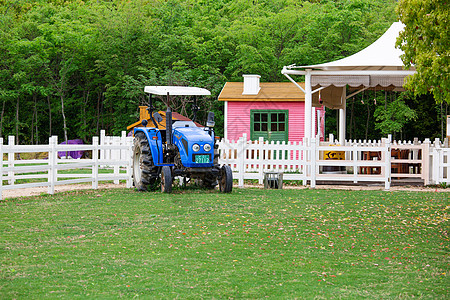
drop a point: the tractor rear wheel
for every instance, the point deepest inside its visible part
(166, 179)
(145, 173)
(226, 179)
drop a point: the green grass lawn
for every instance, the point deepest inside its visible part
(252, 243)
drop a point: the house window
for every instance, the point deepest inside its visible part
(272, 125)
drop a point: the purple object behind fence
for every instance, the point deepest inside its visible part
(73, 154)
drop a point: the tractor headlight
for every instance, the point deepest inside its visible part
(207, 147)
(196, 147)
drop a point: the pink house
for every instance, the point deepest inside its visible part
(273, 110)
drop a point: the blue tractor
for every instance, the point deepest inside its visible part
(176, 148)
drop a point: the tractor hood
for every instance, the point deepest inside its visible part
(196, 146)
(191, 134)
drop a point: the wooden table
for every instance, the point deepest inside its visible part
(371, 155)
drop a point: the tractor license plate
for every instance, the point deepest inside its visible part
(202, 159)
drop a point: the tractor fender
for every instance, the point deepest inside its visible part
(155, 143)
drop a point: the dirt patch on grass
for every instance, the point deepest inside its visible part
(61, 188)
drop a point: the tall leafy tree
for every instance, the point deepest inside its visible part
(82, 64)
(426, 43)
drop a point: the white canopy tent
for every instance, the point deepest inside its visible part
(377, 66)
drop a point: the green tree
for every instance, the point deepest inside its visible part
(94, 57)
(426, 43)
(431, 117)
(393, 116)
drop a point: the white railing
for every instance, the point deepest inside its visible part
(46, 172)
(440, 160)
(300, 161)
(363, 161)
(109, 151)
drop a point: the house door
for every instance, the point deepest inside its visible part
(272, 125)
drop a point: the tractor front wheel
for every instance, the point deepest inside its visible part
(226, 179)
(166, 180)
(209, 181)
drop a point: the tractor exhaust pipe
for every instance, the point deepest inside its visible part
(169, 126)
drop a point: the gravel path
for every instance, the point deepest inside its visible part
(63, 188)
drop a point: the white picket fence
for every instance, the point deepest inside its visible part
(440, 165)
(306, 162)
(111, 152)
(365, 161)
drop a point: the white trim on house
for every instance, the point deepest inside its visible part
(225, 119)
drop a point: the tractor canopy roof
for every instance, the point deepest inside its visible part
(177, 91)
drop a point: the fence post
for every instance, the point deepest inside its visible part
(444, 168)
(415, 152)
(108, 152)
(129, 143)
(102, 143)
(95, 163)
(52, 157)
(313, 148)
(115, 156)
(276, 156)
(1, 169)
(435, 169)
(437, 160)
(123, 143)
(302, 159)
(387, 164)
(426, 162)
(261, 160)
(355, 163)
(241, 159)
(307, 159)
(11, 158)
(437, 142)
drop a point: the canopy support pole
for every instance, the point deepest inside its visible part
(318, 89)
(308, 104)
(356, 93)
(342, 116)
(310, 112)
(293, 81)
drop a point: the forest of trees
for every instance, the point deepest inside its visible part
(71, 68)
